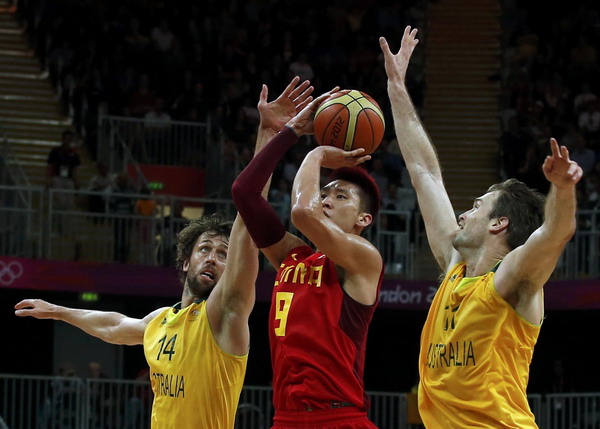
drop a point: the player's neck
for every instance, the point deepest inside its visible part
(187, 298)
(482, 260)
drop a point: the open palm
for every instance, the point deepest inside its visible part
(275, 114)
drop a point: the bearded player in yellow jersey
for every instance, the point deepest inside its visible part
(483, 323)
(197, 350)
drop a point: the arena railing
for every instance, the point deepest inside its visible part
(28, 401)
(57, 224)
(126, 140)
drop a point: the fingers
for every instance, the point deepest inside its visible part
(299, 90)
(385, 48)
(302, 105)
(554, 148)
(323, 96)
(355, 152)
(361, 159)
(264, 93)
(24, 308)
(288, 90)
(300, 100)
(357, 156)
(24, 303)
(413, 35)
(577, 173)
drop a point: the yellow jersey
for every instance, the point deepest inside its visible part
(195, 383)
(474, 358)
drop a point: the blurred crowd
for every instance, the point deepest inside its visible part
(188, 61)
(551, 88)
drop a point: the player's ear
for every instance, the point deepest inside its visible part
(365, 219)
(498, 224)
(186, 265)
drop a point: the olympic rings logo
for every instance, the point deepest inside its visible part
(10, 272)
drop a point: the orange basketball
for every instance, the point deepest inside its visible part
(350, 119)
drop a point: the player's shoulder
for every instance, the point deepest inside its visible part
(153, 314)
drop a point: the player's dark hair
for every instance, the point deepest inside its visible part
(213, 225)
(370, 197)
(523, 207)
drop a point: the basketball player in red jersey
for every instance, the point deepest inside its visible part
(323, 300)
(484, 321)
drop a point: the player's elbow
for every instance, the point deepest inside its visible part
(570, 231)
(303, 215)
(237, 191)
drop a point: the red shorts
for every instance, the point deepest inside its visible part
(339, 418)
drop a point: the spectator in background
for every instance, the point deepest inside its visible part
(102, 181)
(136, 43)
(583, 97)
(140, 402)
(399, 198)
(145, 208)
(582, 155)
(279, 196)
(143, 99)
(63, 162)
(379, 174)
(174, 222)
(592, 191)
(584, 60)
(589, 119)
(301, 67)
(122, 205)
(101, 409)
(514, 147)
(162, 36)
(157, 123)
(530, 171)
(290, 167)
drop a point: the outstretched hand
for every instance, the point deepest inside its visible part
(37, 308)
(275, 114)
(303, 122)
(334, 157)
(559, 169)
(397, 64)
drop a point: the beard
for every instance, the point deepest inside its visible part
(197, 288)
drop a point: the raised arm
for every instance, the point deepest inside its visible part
(232, 300)
(266, 229)
(109, 326)
(419, 154)
(524, 271)
(360, 260)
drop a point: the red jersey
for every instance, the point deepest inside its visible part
(318, 336)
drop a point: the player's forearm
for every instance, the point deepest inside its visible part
(559, 213)
(264, 136)
(306, 187)
(238, 281)
(415, 145)
(100, 324)
(261, 220)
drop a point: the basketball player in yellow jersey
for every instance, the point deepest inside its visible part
(478, 339)
(197, 350)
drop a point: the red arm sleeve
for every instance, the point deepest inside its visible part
(262, 222)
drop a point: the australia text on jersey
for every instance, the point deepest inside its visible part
(457, 353)
(172, 385)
